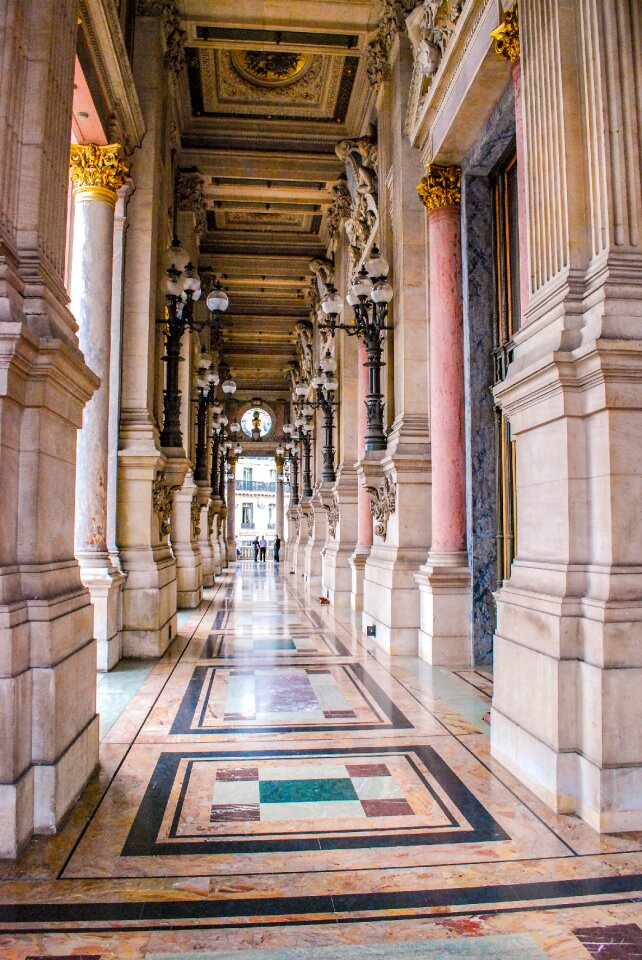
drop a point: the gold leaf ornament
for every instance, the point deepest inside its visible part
(98, 171)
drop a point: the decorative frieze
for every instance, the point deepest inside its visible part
(162, 502)
(383, 501)
(332, 509)
(98, 171)
(441, 187)
(506, 35)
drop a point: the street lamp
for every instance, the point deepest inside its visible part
(182, 289)
(324, 384)
(291, 448)
(369, 297)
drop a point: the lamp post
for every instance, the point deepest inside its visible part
(182, 288)
(290, 446)
(300, 433)
(369, 297)
(325, 384)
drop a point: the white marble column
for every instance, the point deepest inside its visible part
(97, 172)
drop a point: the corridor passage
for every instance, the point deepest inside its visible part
(274, 785)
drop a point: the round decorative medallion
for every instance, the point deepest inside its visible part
(270, 68)
(256, 423)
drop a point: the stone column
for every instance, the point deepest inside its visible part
(444, 580)
(401, 476)
(48, 721)
(97, 173)
(231, 510)
(280, 496)
(340, 500)
(364, 514)
(149, 597)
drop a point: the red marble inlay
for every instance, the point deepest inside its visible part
(621, 941)
(387, 807)
(237, 773)
(235, 811)
(367, 770)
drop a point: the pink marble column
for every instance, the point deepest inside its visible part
(447, 383)
(516, 73)
(364, 516)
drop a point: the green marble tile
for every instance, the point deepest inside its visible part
(307, 791)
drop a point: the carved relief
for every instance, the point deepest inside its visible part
(310, 521)
(430, 31)
(174, 38)
(195, 514)
(361, 160)
(304, 333)
(189, 192)
(211, 516)
(162, 502)
(394, 12)
(333, 515)
(383, 501)
(339, 209)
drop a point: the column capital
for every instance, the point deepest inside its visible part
(441, 187)
(506, 35)
(97, 171)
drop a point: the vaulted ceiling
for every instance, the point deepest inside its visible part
(273, 86)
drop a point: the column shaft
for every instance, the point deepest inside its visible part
(447, 383)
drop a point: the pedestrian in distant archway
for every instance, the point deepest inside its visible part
(263, 546)
(255, 544)
(277, 547)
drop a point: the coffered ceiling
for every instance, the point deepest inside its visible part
(272, 87)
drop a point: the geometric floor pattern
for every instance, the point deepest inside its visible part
(276, 788)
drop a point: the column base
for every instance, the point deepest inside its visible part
(105, 585)
(391, 598)
(337, 574)
(57, 785)
(358, 573)
(149, 602)
(444, 610)
(16, 815)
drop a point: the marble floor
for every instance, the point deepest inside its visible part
(275, 787)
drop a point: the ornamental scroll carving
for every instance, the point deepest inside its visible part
(383, 501)
(332, 509)
(98, 169)
(162, 502)
(304, 334)
(361, 160)
(189, 193)
(441, 187)
(310, 521)
(339, 209)
(430, 29)
(506, 36)
(195, 514)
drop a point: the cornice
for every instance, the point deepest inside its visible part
(105, 41)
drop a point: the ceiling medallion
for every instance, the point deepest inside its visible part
(270, 68)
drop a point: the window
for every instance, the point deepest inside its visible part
(247, 515)
(272, 476)
(271, 516)
(247, 474)
(507, 322)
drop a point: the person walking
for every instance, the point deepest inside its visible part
(255, 544)
(263, 546)
(277, 547)
(238, 548)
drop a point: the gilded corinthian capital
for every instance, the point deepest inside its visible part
(97, 171)
(506, 35)
(441, 187)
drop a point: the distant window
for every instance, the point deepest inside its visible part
(247, 474)
(247, 515)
